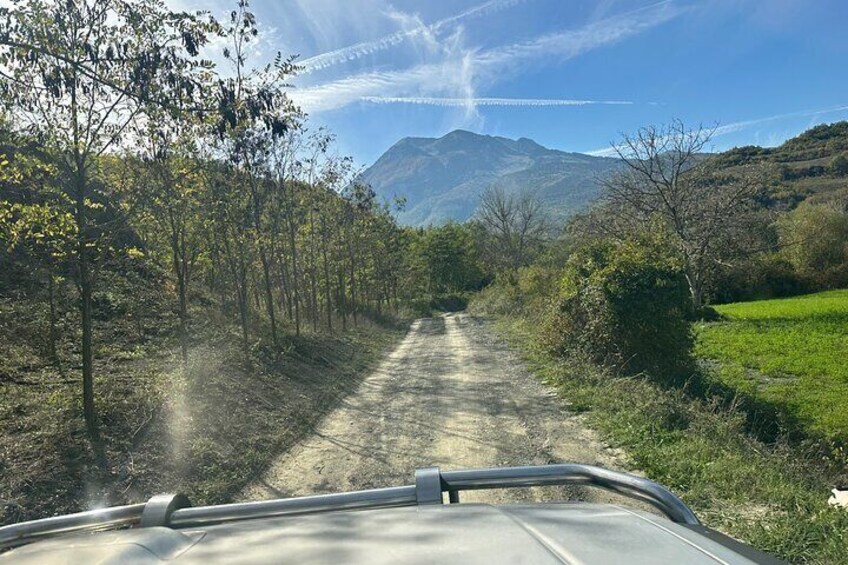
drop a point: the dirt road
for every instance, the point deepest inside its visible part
(451, 395)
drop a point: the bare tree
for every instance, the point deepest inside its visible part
(667, 177)
(514, 225)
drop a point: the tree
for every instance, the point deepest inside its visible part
(814, 238)
(667, 178)
(77, 74)
(443, 258)
(42, 227)
(839, 165)
(167, 184)
(252, 111)
(514, 226)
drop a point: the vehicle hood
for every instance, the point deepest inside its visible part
(573, 533)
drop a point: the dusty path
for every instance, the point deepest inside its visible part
(450, 395)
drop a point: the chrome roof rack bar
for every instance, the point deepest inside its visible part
(91, 520)
(571, 473)
(431, 483)
(357, 500)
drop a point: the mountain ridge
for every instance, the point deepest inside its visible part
(442, 178)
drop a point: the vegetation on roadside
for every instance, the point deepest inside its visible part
(788, 352)
(768, 495)
(623, 304)
(206, 430)
(617, 312)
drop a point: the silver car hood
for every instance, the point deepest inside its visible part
(574, 533)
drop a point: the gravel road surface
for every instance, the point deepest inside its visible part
(452, 395)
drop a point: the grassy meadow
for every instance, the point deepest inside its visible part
(791, 352)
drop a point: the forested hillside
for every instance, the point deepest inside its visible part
(812, 165)
(189, 273)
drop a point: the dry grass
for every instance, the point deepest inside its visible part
(206, 431)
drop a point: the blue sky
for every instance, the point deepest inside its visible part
(570, 74)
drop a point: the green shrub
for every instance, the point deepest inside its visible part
(762, 277)
(536, 287)
(839, 165)
(499, 298)
(815, 242)
(625, 305)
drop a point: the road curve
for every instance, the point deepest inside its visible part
(452, 395)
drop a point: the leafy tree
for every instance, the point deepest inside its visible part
(77, 74)
(252, 111)
(814, 238)
(168, 194)
(446, 259)
(514, 226)
(42, 228)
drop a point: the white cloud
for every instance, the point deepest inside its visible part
(570, 44)
(418, 29)
(463, 102)
(608, 152)
(462, 71)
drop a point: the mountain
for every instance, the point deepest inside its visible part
(442, 179)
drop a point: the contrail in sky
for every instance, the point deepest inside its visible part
(454, 76)
(358, 50)
(737, 126)
(733, 127)
(463, 102)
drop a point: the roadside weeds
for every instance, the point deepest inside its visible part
(767, 495)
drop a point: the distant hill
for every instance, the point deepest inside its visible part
(811, 165)
(442, 178)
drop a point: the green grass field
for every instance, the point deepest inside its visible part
(790, 352)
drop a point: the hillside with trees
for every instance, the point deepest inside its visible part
(189, 273)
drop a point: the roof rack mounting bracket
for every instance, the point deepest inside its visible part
(428, 485)
(158, 510)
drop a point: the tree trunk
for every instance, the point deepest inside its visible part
(696, 288)
(244, 306)
(313, 274)
(269, 293)
(85, 288)
(327, 295)
(352, 275)
(54, 333)
(293, 245)
(263, 255)
(341, 300)
(84, 281)
(180, 274)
